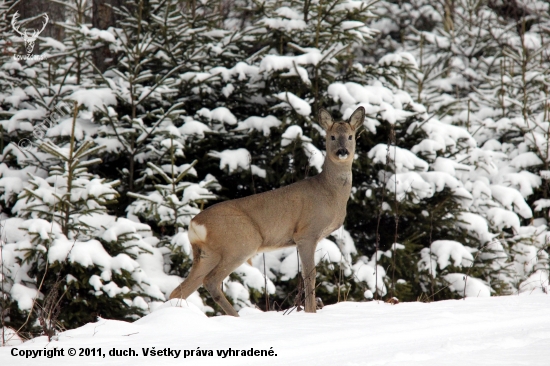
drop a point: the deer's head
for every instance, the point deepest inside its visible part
(340, 143)
(29, 39)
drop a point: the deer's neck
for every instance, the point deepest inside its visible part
(336, 177)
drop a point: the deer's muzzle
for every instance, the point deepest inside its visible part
(342, 153)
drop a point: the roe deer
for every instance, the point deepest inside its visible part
(227, 234)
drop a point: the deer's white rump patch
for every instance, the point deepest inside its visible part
(197, 232)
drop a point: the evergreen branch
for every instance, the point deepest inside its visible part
(82, 149)
(331, 49)
(37, 161)
(99, 73)
(123, 142)
(163, 188)
(159, 83)
(160, 171)
(56, 95)
(49, 147)
(82, 154)
(41, 100)
(152, 129)
(182, 174)
(257, 54)
(87, 163)
(141, 196)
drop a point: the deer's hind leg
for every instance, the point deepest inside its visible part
(230, 261)
(203, 264)
(213, 282)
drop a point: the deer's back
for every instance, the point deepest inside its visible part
(275, 218)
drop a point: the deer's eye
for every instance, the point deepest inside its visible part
(349, 138)
(332, 138)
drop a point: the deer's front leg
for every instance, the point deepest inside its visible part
(306, 249)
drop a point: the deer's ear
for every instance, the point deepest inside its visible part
(325, 119)
(357, 118)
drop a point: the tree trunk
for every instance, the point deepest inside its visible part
(103, 17)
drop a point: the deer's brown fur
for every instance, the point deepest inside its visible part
(229, 233)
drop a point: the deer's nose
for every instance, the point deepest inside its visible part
(342, 152)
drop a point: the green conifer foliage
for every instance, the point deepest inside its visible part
(206, 101)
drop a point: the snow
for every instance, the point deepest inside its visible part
(409, 185)
(95, 33)
(24, 296)
(63, 126)
(195, 192)
(275, 62)
(512, 200)
(9, 337)
(194, 128)
(50, 42)
(11, 230)
(315, 156)
(94, 98)
(441, 180)
(122, 227)
(327, 251)
(233, 159)
(12, 181)
(445, 250)
(398, 59)
(285, 261)
(237, 292)
(220, 114)
(445, 135)
(293, 102)
(262, 124)
(474, 287)
(253, 278)
(373, 275)
(292, 133)
(285, 24)
(525, 160)
(345, 242)
(476, 224)
(181, 239)
(241, 69)
(501, 218)
(525, 182)
(158, 283)
(256, 170)
(475, 331)
(89, 253)
(525, 258)
(18, 119)
(16, 96)
(537, 282)
(539, 204)
(403, 159)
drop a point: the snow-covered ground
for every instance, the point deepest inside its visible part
(513, 330)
